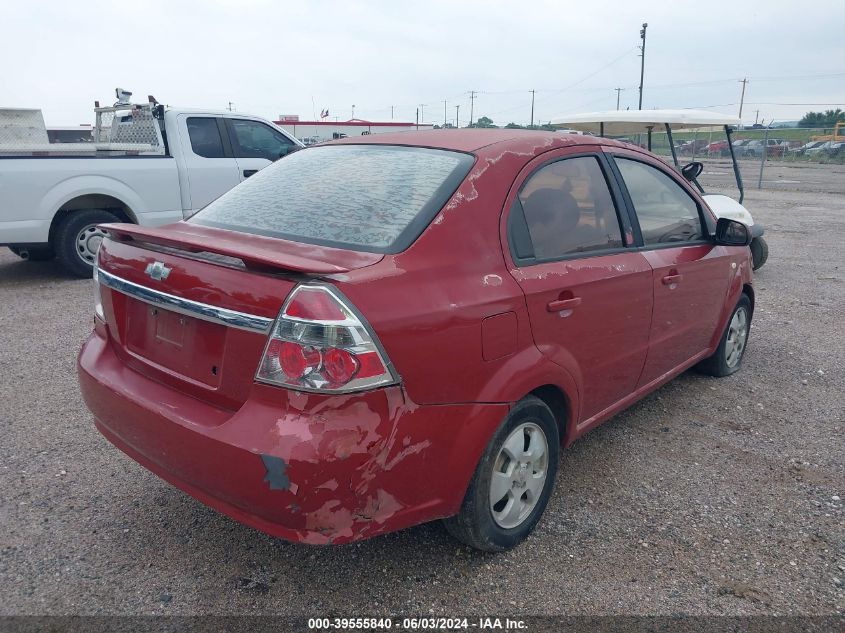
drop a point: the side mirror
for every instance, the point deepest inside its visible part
(286, 151)
(692, 170)
(732, 233)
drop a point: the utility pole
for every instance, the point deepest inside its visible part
(230, 106)
(444, 112)
(756, 114)
(422, 112)
(391, 113)
(642, 63)
(618, 93)
(532, 108)
(471, 106)
(353, 110)
(742, 98)
(418, 118)
(457, 114)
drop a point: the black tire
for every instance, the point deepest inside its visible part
(759, 252)
(72, 256)
(34, 254)
(474, 524)
(719, 364)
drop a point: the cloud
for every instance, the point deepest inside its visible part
(271, 58)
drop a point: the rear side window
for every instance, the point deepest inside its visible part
(666, 212)
(205, 137)
(375, 198)
(568, 209)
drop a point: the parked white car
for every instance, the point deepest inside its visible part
(825, 148)
(148, 164)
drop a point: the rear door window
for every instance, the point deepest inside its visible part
(666, 212)
(205, 137)
(375, 198)
(568, 209)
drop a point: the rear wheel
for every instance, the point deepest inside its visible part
(513, 481)
(728, 356)
(759, 252)
(77, 239)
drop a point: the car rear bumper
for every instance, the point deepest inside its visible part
(304, 467)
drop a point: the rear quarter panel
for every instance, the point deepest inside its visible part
(33, 189)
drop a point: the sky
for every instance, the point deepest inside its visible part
(273, 58)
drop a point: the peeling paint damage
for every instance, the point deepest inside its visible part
(276, 475)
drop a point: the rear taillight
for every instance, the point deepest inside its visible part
(320, 343)
(98, 297)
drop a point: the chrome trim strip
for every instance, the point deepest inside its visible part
(222, 316)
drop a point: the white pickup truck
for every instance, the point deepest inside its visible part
(148, 164)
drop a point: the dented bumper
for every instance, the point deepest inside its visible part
(304, 467)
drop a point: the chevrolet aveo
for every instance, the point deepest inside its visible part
(388, 330)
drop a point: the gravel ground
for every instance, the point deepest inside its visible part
(708, 497)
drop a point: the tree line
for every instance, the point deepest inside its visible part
(828, 118)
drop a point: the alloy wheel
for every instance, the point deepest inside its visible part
(519, 475)
(737, 337)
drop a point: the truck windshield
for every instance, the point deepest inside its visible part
(375, 198)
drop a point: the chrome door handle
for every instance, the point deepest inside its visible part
(668, 280)
(563, 304)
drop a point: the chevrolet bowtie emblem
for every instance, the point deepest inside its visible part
(157, 271)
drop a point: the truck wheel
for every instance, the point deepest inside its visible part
(513, 481)
(759, 252)
(77, 239)
(34, 254)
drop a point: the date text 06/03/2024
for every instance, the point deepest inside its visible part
(417, 624)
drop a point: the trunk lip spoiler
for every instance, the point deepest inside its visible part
(254, 249)
(188, 307)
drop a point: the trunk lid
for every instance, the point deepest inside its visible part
(191, 306)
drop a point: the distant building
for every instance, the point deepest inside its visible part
(310, 132)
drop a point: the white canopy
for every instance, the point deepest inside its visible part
(618, 122)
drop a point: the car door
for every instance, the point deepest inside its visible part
(587, 289)
(207, 168)
(690, 273)
(256, 145)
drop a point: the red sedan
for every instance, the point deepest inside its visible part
(398, 328)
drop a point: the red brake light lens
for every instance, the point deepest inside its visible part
(319, 343)
(298, 360)
(340, 366)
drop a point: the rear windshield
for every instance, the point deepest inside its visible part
(375, 198)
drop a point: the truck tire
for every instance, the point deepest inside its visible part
(77, 239)
(34, 254)
(759, 252)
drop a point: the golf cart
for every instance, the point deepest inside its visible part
(628, 122)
